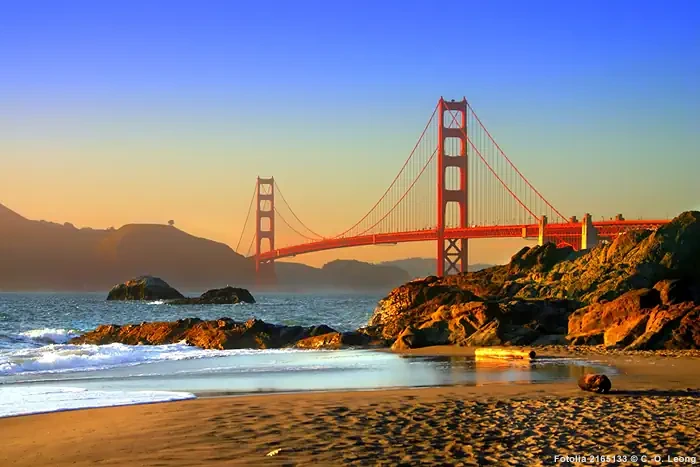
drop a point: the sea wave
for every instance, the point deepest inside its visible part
(24, 400)
(50, 335)
(61, 358)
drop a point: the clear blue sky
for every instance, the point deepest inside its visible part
(150, 110)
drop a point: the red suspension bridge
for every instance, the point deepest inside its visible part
(456, 184)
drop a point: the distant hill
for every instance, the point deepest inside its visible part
(40, 255)
(423, 267)
(341, 274)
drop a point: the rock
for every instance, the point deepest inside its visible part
(487, 335)
(338, 340)
(415, 302)
(143, 288)
(638, 320)
(226, 296)
(538, 259)
(447, 317)
(220, 334)
(678, 290)
(595, 383)
(435, 333)
(406, 340)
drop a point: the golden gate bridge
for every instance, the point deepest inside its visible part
(456, 184)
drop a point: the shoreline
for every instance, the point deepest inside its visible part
(650, 411)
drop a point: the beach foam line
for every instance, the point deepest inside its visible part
(50, 335)
(25, 399)
(67, 358)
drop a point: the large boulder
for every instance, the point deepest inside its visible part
(226, 296)
(663, 317)
(595, 383)
(144, 288)
(220, 334)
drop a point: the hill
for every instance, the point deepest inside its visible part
(39, 255)
(340, 275)
(423, 267)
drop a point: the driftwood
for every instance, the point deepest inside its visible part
(504, 352)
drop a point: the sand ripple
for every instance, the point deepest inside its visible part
(463, 432)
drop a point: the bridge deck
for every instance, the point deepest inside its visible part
(606, 229)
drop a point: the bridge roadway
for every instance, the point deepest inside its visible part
(605, 229)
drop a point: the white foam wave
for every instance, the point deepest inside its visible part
(50, 335)
(66, 357)
(25, 400)
(157, 302)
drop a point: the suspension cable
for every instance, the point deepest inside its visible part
(295, 230)
(397, 175)
(250, 207)
(513, 165)
(294, 214)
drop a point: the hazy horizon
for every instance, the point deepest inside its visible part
(141, 113)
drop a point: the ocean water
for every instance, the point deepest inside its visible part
(41, 372)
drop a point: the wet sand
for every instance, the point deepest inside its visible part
(654, 410)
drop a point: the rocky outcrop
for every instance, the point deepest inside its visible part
(143, 288)
(483, 323)
(640, 291)
(226, 296)
(634, 260)
(220, 334)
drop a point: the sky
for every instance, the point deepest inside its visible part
(140, 112)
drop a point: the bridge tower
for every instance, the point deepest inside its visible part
(265, 229)
(452, 253)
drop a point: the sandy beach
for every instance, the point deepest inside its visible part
(653, 410)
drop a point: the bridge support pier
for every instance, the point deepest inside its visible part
(452, 254)
(589, 234)
(265, 229)
(456, 252)
(541, 238)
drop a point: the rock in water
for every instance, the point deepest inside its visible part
(226, 296)
(144, 288)
(220, 334)
(595, 383)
